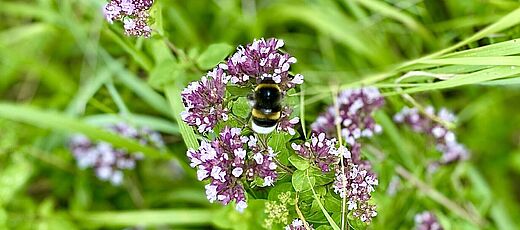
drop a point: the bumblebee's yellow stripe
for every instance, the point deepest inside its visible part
(267, 85)
(273, 116)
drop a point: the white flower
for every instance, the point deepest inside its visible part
(241, 206)
(237, 172)
(211, 192)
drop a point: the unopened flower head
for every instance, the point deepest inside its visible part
(286, 123)
(298, 224)
(355, 116)
(445, 140)
(278, 211)
(204, 100)
(107, 161)
(320, 150)
(426, 221)
(133, 13)
(224, 162)
(260, 60)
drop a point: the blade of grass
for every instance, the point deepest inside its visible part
(137, 85)
(118, 100)
(498, 49)
(173, 94)
(58, 121)
(151, 122)
(389, 11)
(465, 79)
(480, 61)
(87, 91)
(137, 55)
(174, 217)
(505, 22)
(440, 198)
(327, 20)
(13, 177)
(515, 81)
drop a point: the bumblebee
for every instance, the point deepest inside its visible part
(266, 102)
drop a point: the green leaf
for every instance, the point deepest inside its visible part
(299, 162)
(238, 91)
(241, 107)
(321, 177)
(177, 217)
(331, 203)
(278, 142)
(213, 55)
(324, 227)
(252, 217)
(300, 182)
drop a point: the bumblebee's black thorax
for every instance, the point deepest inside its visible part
(267, 107)
(267, 98)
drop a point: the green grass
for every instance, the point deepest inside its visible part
(65, 70)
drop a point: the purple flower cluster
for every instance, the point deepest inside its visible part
(445, 140)
(426, 221)
(204, 101)
(285, 123)
(355, 117)
(107, 161)
(356, 183)
(133, 13)
(320, 150)
(260, 60)
(297, 224)
(262, 165)
(224, 162)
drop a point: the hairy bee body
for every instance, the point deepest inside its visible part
(267, 107)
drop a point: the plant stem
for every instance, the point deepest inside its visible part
(300, 214)
(340, 141)
(440, 198)
(329, 219)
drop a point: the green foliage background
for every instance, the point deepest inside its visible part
(64, 69)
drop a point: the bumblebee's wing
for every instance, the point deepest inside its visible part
(251, 100)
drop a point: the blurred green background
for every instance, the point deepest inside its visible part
(77, 71)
